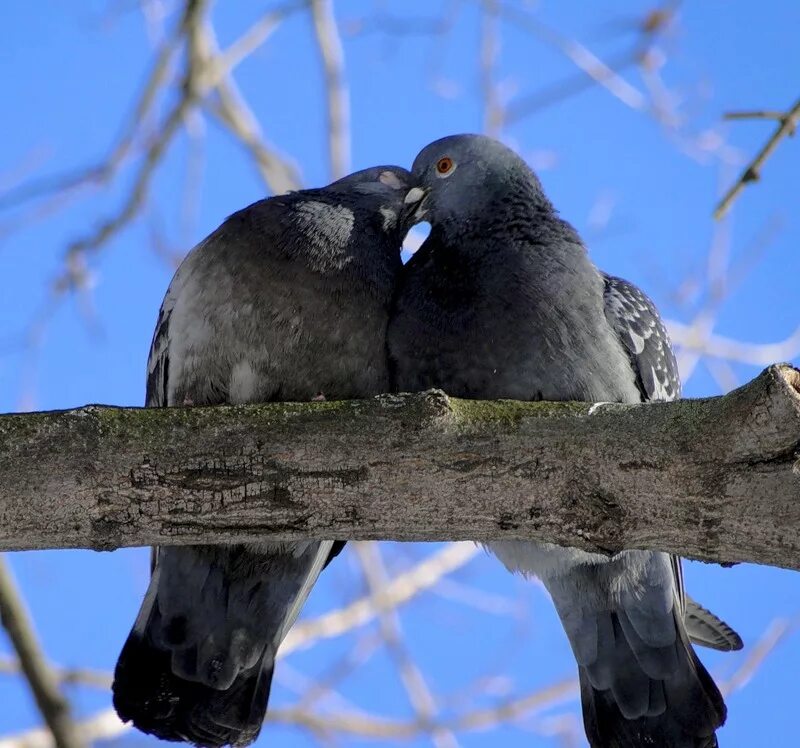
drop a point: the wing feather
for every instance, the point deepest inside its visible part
(635, 319)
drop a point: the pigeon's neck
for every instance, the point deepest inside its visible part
(510, 228)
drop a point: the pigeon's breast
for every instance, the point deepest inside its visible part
(506, 337)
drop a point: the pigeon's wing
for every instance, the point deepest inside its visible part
(707, 630)
(189, 280)
(641, 331)
(644, 683)
(158, 360)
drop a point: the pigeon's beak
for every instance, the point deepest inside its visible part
(415, 206)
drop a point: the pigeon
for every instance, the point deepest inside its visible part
(502, 301)
(287, 300)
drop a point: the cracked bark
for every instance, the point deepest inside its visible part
(715, 478)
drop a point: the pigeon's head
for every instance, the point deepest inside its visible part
(380, 190)
(464, 180)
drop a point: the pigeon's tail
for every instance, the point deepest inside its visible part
(649, 696)
(641, 681)
(160, 703)
(197, 665)
(708, 630)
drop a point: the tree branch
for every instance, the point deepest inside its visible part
(714, 478)
(336, 86)
(41, 679)
(752, 173)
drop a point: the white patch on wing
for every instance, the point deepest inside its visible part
(390, 179)
(326, 226)
(637, 341)
(389, 218)
(661, 389)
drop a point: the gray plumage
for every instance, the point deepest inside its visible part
(287, 300)
(708, 630)
(502, 301)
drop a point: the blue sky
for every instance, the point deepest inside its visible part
(70, 73)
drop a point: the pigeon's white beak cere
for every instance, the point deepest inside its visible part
(416, 196)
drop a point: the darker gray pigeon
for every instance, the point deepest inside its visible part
(287, 300)
(502, 301)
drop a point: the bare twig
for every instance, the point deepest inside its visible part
(755, 114)
(719, 346)
(752, 172)
(43, 683)
(419, 693)
(234, 112)
(108, 167)
(399, 591)
(370, 726)
(103, 725)
(329, 44)
(493, 113)
(66, 676)
(776, 633)
(591, 65)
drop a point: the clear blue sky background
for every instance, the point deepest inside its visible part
(70, 72)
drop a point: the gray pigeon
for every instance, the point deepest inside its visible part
(502, 301)
(287, 300)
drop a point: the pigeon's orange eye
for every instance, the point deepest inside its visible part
(444, 165)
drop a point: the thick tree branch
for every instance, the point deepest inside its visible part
(715, 478)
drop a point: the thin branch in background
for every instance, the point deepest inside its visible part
(400, 590)
(776, 632)
(382, 728)
(722, 372)
(320, 688)
(752, 172)
(231, 109)
(104, 725)
(719, 346)
(207, 70)
(193, 180)
(493, 113)
(337, 94)
(705, 319)
(477, 599)
(566, 88)
(592, 66)
(65, 676)
(52, 704)
(755, 114)
(656, 101)
(720, 279)
(419, 693)
(103, 172)
(393, 25)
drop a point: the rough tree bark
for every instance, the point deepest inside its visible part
(716, 478)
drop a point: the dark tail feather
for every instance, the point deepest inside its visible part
(336, 549)
(149, 694)
(685, 710)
